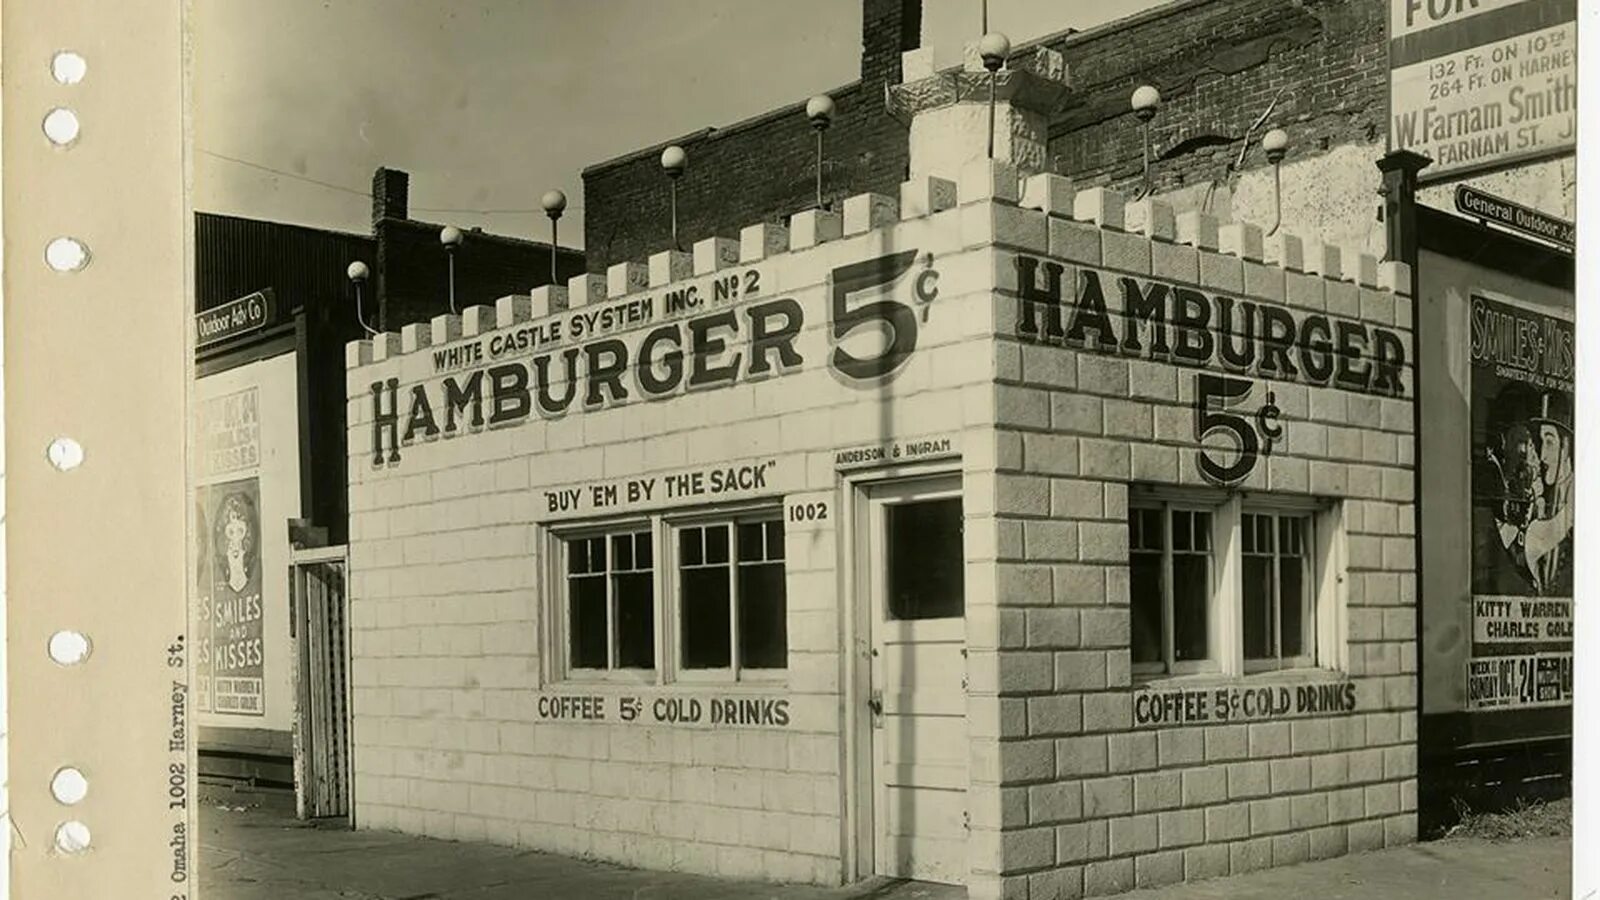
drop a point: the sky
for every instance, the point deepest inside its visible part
(490, 103)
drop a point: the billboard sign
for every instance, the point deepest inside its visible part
(228, 661)
(1521, 388)
(1479, 84)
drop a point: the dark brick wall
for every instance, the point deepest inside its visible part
(305, 268)
(412, 273)
(236, 256)
(1218, 64)
(762, 168)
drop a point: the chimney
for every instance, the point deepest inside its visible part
(947, 111)
(888, 28)
(390, 188)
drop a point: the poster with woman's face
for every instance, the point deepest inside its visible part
(233, 559)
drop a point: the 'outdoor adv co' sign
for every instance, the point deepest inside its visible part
(706, 335)
(242, 316)
(1118, 314)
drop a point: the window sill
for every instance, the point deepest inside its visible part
(616, 686)
(606, 678)
(1250, 679)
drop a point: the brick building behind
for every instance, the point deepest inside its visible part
(1219, 64)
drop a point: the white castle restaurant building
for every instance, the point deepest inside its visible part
(997, 533)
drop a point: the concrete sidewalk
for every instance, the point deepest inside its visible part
(253, 849)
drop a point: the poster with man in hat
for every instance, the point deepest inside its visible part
(1522, 359)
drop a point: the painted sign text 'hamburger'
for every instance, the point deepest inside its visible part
(752, 341)
(1181, 325)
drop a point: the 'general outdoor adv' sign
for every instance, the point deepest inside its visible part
(702, 336)
(1475, 83)
(1522, 504)
(1489, 208)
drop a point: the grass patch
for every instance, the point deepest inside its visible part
(1524, 820)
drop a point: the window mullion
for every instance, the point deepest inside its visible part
(1308, 609)
(734, 662)
(1228, 601)
(611, 606)
(1275, 608)
(662, 594)
(1168, 624)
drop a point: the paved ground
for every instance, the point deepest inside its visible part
(1455, 869)
(253, 849)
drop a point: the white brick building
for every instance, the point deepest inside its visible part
(997, 533)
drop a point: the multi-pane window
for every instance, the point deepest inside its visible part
(732, 600)
(1231, 585)
(1170, 587)
(723, 607)
(1278, 626)
(611, 601)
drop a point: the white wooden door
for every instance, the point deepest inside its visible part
(918, 700)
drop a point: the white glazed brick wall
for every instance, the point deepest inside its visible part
(1088, 805)
(1065, 798)
(446, 604)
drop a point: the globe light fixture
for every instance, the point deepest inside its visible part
(1146, 100)
(554, 203)
(357, 272)
(673, 162)
(819, 110)
(1276, 145)
(993, 48)
(451, 237)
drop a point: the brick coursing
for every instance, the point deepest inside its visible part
(1088, 806)
(446, 607)
(763, 168)
(413, 271)
(1218, 63)
(1065, 796)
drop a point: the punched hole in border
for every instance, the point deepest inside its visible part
(72, 837)
(68, 648)
(65, 254)
(69, 786)
(61, 126)
(67, 67)
(64, 453)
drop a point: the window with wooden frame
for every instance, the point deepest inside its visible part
(731, 596)
(1171, 585)
(1279, 599)
(1233, 584)
(696, 596)
(610, 594)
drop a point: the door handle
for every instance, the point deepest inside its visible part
(875, 703)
